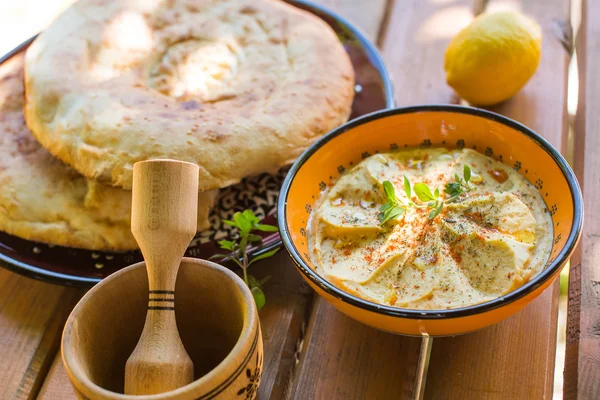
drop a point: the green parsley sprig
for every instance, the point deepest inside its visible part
(395, 206)
(246, 223)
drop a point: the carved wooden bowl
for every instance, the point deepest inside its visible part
(216, 317)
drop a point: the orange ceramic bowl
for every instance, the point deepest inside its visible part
(436, 126)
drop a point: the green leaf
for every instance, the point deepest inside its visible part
(436, 211)
(243, 245)
(243, 224)
(389, 191)
(392, 213)
(259, 297)
(266, 228)
(457, 178)
(219, 255)
(407, 187)
(249, 215)
(423, 192)
(253, 282)
(453, 188)
(437, 193)
(237, 218)
(385, 207)
(230, 223)
(227, 244)
(263, 256)
(396, 212)
(467, 172)
(388, 211)
(254, 238)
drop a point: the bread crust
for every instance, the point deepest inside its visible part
(239, 87)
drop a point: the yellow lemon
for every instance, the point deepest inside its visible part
(493, 57)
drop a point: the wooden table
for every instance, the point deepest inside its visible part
(313, 351)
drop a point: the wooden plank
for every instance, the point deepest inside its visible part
(414, 45)
(582, 359)
(32, 314)
(57, 385)
(282, 322)
(343, 358)
(511, 360)
(515, 359)
(369, 17)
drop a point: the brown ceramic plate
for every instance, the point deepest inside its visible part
(74, 267)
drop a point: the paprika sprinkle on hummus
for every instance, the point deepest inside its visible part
(430, 229)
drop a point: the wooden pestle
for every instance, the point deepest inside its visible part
(163, 222)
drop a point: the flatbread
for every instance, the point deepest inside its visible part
(44, 200)
(239, 87)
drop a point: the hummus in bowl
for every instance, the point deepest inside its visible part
(436, 219)
(488, 239)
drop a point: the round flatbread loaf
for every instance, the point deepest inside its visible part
(238, 87)
(44, 200)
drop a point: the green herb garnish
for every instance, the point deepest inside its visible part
(460, 185)
(246, 223)
(395, 207)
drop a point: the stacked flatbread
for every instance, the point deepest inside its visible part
(42, 199)
(239, 87)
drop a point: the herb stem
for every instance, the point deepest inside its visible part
(420, 205)
(246, 222)
(448, 200)
(244, 259)
(244, 268)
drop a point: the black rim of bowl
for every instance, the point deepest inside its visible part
(530, 286)
(45, 275)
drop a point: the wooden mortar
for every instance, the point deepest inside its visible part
(216, 313)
